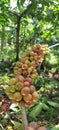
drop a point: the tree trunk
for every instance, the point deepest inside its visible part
(3, 38)
(17, 38)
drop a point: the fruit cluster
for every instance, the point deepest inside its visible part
(21, 87)
(5, 106)
(32, 58)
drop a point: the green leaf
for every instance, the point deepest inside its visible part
(17, 125)
(36, 110)
(53, 104)
(45, 107)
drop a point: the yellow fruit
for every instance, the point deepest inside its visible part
(35, 96)
(11, 95)
(19, 86)
(12, 81)
(27, 62)
(33, 76)
(7, 90)
(12, 89)
(19, 71)
(30, 69)
(15, 70)
(17, 96)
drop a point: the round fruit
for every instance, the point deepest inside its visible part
(12, 89)
(30, 69)
(12, 81)
(25, 91)
(42, 128)
(29, 104)
(11, 95)
(19, 86)
(35, 96)
(24, 67)
(28, 79)
(7, 90)
(26, 84)
(32, 88)
(19, 71)
(30, 128)
(17, 96)
(27, 98)
(33, 124)
(27, 62)
(20, 78)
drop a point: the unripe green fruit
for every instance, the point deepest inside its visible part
(12, 81)
(19, 86)
(12, 89)
(17, 96)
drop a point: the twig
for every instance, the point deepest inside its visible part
(54, 45)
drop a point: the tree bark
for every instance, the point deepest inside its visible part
(3, 38)
(17, 38)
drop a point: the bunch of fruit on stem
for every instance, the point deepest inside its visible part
(21, 86)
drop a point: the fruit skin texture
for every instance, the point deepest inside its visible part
(25, 91)
(27, 98)
(17, 96)
(35, 96)
(32, 88)
(28, 80)
(5, 106)
(33, 124)
(20, 78)
(42, 128)
(12, 81)
(26, 84)
(30, 128)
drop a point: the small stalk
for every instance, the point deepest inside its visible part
(24, 116)
(54, 45)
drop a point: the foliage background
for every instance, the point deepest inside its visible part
(22, 24)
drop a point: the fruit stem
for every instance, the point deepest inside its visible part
(24, 116)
